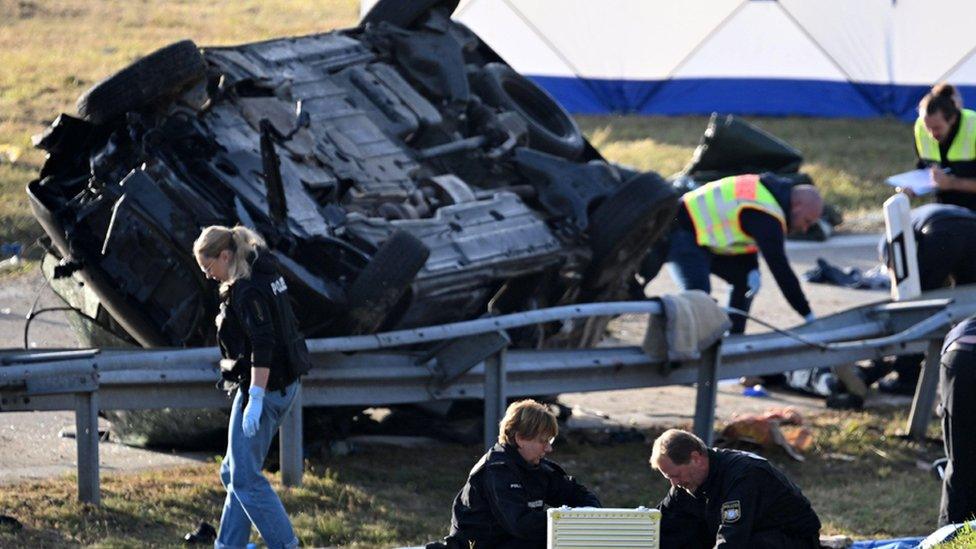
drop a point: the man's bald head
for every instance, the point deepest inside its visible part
(806, 207)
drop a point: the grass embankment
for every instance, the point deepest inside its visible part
(53, 50)
(862, 480)
(848, 159)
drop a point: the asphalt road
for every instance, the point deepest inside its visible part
(675, 404)
(31, 444)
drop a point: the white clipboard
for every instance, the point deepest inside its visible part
(919, 181)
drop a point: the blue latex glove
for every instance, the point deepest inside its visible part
(754, 281)
(252, 412)
(810, 317)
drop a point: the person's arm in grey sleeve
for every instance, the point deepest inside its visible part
(565, 490)
(768, 234)
(738, 513)
(511, 506)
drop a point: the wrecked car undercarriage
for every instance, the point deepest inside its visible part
(402, 174)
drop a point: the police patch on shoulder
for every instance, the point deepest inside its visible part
(731, 512)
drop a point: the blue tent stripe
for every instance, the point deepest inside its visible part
(747, 96)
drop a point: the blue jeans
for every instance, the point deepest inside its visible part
(691, 265)
(250, 498)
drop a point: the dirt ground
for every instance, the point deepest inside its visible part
(32, 445)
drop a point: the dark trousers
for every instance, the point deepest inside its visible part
(957, 384)
(946, 255)
(690, 266)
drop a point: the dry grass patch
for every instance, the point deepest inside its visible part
(53, 50)
(848, 159)
(862, 479)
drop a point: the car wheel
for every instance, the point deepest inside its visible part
(551, 129)
(403, 13)
(161, 73)
(385, 280)
(626, 223)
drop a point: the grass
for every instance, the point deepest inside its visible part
(848, 159)
(53, 50)
(862, 480)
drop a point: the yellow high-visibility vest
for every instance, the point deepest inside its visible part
(714, 209)
(962, 148)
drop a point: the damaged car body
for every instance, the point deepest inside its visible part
(401, 172)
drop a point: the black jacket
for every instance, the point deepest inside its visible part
(251, 326)
(743, 496)
(505, 499)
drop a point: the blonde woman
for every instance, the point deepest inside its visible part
(264, 355)
(503, 503)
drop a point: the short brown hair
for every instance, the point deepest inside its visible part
(527, 419)
(677, 445)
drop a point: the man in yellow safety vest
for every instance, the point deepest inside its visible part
(723, 227)
(945, 140)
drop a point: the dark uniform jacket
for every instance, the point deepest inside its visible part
(946, 250)
(251, 326)
(504, 501)
(743, 498)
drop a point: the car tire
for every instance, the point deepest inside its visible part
(163, 72)
(404, 13)
(550, 127)
(385, 280)
(625, 225)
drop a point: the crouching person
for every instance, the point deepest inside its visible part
(503, 503)
(728, 499)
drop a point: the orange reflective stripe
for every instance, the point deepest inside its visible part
(745, 186)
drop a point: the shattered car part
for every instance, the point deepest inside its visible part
(402, 174)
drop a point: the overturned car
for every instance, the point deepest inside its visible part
(402, 173)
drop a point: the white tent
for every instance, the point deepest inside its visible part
(854, 58)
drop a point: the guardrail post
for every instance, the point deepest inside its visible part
(494, 396)
(86, 438)
(707, 389)
(291, 458)
(924, 400)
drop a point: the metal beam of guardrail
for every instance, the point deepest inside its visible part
(86, 380)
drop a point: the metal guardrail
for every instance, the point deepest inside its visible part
(472, 362)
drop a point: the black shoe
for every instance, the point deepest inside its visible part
(204, 534)
(897, 387)
(845, 401)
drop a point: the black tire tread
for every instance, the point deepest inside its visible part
(566, 140)
(635, 215)
(160, 73)
(385, 280)
(403, 13)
